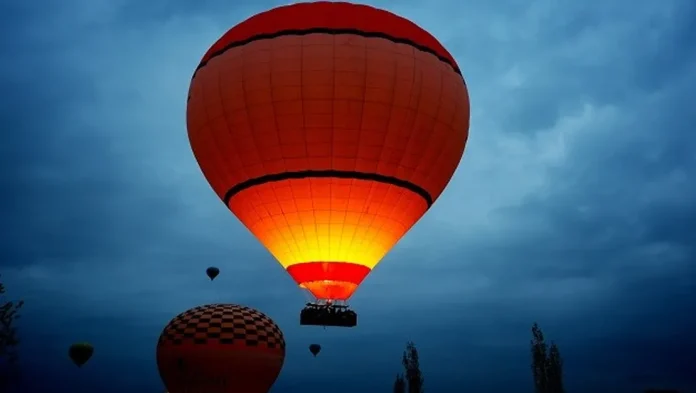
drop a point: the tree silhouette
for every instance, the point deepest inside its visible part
(539, 349)
(554, 370)
(9, 340)
(399, 384)
(413, 376)
(547, 364)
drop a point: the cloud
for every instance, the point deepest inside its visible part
(573, 204)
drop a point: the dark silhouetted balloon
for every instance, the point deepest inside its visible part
(315, 349)
(212, 272)
(80, 353)
(197, 353)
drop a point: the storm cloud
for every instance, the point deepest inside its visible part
(573, 205)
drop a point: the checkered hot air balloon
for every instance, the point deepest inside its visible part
(220, 348)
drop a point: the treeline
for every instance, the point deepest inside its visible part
(546, 359)
(546, 365)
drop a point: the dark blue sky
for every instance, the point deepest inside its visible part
(574, 206)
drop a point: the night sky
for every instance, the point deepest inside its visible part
(574, 205)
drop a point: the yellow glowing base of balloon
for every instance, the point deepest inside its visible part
(328, 129)
(328, 233)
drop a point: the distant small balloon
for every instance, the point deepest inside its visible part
(80, 353)
(212, 272)
(315, 349)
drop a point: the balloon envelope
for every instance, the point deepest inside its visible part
(315, 349)
(80, 353)
(212, 272)
(220, 348)
(328, 129)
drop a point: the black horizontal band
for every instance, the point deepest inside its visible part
(324, 30)
(328, 174)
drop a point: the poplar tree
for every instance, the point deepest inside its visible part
(399, 384)
(9, 339)
(547, 364)
(412, 373)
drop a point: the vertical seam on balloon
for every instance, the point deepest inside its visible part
(227, 124)
(412, 133)
(441, 186)
(304, 127)
(243, 165)
(218, 149)
(273, 189)
(415, 92)
(294, 252)
(443, 150)
(331, 184)
(333, 122)
(435, 119)
(201, 147)
(352, 237)
(292, 189)
(304, 146)
(401, 193)
(206, 137)
(389, 186)
(251, 128)
(368, 200)
(246, 114)
(248, 108)
(211, 137)
(274, 109)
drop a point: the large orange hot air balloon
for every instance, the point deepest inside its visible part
(328, 129)
(220, 348)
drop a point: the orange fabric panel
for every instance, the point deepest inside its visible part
(320, 101)
(328, 220)
(330, 15)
